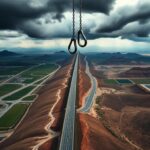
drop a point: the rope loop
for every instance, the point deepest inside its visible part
(74, 44)
(82, 41)
(82, 37)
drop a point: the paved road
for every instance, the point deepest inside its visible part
(67, 137)
(89, 99)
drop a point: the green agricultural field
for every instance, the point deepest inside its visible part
(29, 98)
(13, 116)
(38, 72)
(124, 81)
(11, 70)
(7, 88)
(141, 81)
(28, 81)
(19, 94)
(110, 81)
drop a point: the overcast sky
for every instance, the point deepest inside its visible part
(121, 25)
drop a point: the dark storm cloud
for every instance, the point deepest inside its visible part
(103, 6)
(126, 15)
(58, 16)
(98, 5)
(12, 12)
(28, 17)
(139, 39)
(134, 31)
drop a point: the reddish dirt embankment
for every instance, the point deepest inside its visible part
(50, 145)
(96, 137)
(84, 83)
(32, 129)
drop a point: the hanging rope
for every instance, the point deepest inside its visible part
(81, 36)
(80, 14)
(73, 18)
(73, 39)
(80, 32)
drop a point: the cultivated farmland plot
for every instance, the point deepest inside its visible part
(110, 81)
(7, 88)
(35, 73)
(13, 116)
(124, 81)
(20, 79)
(127, 81)
(19, 94)
(142, 81)
(20, 91)
(29, 98)
(11, 70)
(118, 81)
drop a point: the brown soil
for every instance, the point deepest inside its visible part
(100, 79)
(141, 129)
(50, 145)
(136, 72)
(126, 116)
(134, 89)
(129, 115)
(96, 137)
(97, 73)
(118, 102)
(32, 127)
(58, 122)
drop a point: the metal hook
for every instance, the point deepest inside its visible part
(80, 33)
(73, 41)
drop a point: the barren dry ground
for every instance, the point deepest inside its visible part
(126, 112)
(136, 72)
(122, 118)
(129, 116)
(97, 137)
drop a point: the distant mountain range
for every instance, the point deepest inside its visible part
(118, 58)
(33, 51)
(7, 53)
(9, 58)
(60, 52)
